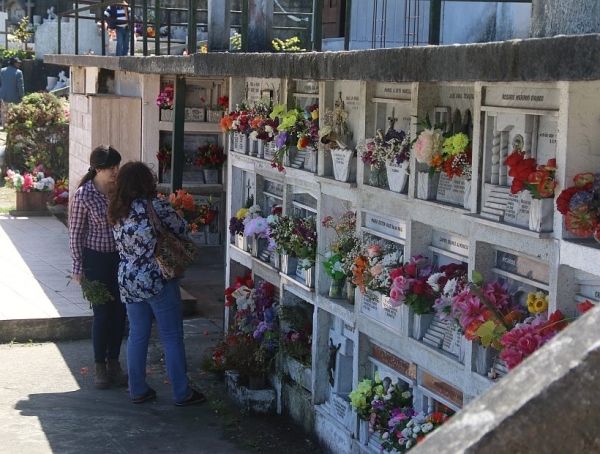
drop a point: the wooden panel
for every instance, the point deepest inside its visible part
(332, 18)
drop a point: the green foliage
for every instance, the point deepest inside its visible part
(236, 41)
(477, 278)
(23, 32)
(490, 334)
(289, 45)
(21, 54)
(95, 292)
(38, 133)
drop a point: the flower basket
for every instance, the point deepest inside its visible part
(211, 176)
(288, 264)
(397, 176)
(427, 187)
(166, 115)
(32, 201)
(214, 116)
(541, 215)
(421, 324)
(344, 164)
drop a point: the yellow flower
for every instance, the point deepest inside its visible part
(315, 114)
(537, 302)
(241, 214)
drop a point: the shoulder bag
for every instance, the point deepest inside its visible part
(173, 253)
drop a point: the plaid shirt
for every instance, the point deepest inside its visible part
(88, 223)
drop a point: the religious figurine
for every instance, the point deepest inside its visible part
(331, 363)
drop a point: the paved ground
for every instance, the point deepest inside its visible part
(47, 401)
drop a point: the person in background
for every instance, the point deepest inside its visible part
(143, 288)
(12, 88)
(117, 17)
(95, 259)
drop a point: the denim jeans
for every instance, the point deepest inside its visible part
(166, 308)
(108, 324)
(122, 41)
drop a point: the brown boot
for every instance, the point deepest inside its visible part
(115, 373)
(101, 378)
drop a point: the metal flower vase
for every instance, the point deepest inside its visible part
(378, 177)
(337, 288)
(211, 176)
(288, 264)
(421, 323)
(541, 215)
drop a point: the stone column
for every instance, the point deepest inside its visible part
(564, 17)
(219, 21)
(260, 25)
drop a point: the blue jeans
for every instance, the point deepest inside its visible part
(108, 324)
(122, 41)
(166, 308)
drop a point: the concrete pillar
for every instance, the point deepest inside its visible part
(219, 21)
(564, 17)
(260, 25)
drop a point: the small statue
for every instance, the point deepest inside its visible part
(332, 357)
(52, 16)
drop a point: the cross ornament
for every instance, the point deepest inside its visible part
(392, 120)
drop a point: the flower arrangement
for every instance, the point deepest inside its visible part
(164, 156)
(60, 194)
(371, 155)
(428, 147)
(343, 248)
(580, 205)
(297, 342)
(297, 127)
(447, 282)
(29, 182)
(257, 225)
(410, 428)
(222, 104)
(410, 285)
(539, 180)
(456, 158)
(194, 213)
(371, 267)
(210, 156)
(296, 237)
(236, 223)
(165, 97)
(237, 120)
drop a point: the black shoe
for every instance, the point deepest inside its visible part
(196, 398)
(148, 395)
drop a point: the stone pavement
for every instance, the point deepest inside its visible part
(47, 400)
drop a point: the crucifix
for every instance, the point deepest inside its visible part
(248, 187)
(392, 120)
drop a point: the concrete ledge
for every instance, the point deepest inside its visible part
(558, 58)
(253, 401)
(189, 305)
(46, 329)
(549, 404)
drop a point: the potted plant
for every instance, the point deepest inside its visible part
(58, 200)
(580, 205)
(32, 189)
(164, 101)
(210, 158)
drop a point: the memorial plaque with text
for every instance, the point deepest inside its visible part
(393, 91)
(522, 266)
(451, 243)
(451, 190)
(441, 388)
(392, 227)
(390, 316)
(371, 304)
(522, 97)
(517, 209)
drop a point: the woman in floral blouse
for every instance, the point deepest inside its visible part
(95, 259)
(143, 288)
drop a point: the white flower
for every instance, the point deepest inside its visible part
(433, 281)
(450, 287)
(387, 397)
(427, 427)
(385, 435)
(416, 430)
(269, 129)
(254, 135)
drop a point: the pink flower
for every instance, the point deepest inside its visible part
(397, 297)
(376, 270)
(528, 344)
(428, 145)
(511, 357)
(374, 250)
(468, 308)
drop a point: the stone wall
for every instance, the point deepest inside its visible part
(564, 17)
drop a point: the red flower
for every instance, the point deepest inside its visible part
(584, 179)
(517, 186)
(514, 158)
(554, 324)
(581, 222)
(584, 307)
(410, 270)
(562, 201)
(523, 169)
(546, 187)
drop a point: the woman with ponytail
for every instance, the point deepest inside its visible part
(95, 259)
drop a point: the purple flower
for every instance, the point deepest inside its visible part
(580, 200)
(281, 139)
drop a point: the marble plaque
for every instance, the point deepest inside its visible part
(390, 316)
(370, 304)
(392, 227)
(451, 243)
(393, 91)
(451, 190)
(517, 209)
(522, 97)
(522, 266)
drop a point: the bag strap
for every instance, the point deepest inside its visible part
(154, 221)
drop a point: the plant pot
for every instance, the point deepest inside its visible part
(378, 177)
(397, 176)
(214, 116)
(307, 275)
(421, 323)
(350, 291)
(258, 245)
(288, 264)
(32, 201)
(426, 186)
(211, 176)
(310, 160)
(484, 358)
(166, 115)
(541, 215)
(337, 288)
(344, 164)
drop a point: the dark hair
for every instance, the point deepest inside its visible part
(134, 181)
(102, 157)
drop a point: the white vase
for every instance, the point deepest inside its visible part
(421, 323)
(363, 431)
(344, 164)
(241, 241)
(468, 197)
(214, 116)
(541, 215)
(166, 115)
(427, 187)
(310, 160)
(253, 147)
(397, 175)
(307, 275)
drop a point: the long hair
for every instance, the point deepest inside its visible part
(134, 181)
(102, 157)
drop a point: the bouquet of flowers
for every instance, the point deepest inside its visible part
(410, 285)
(297, 127)
(222, 104)
(164, 99)
(297, 325)
(281, 229)
(372, 266)
(539, 180)
(29, 182)
(372, 155)
(580, 205)
(210, 156)
(238, 120)
(342, 249)
(410, 428)
(448, 282)
(186, 206)
(60, 194)
(236, 223)
(428, 147)
(304, 241)
(456, 157)
(257, 225)
(164, 158)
